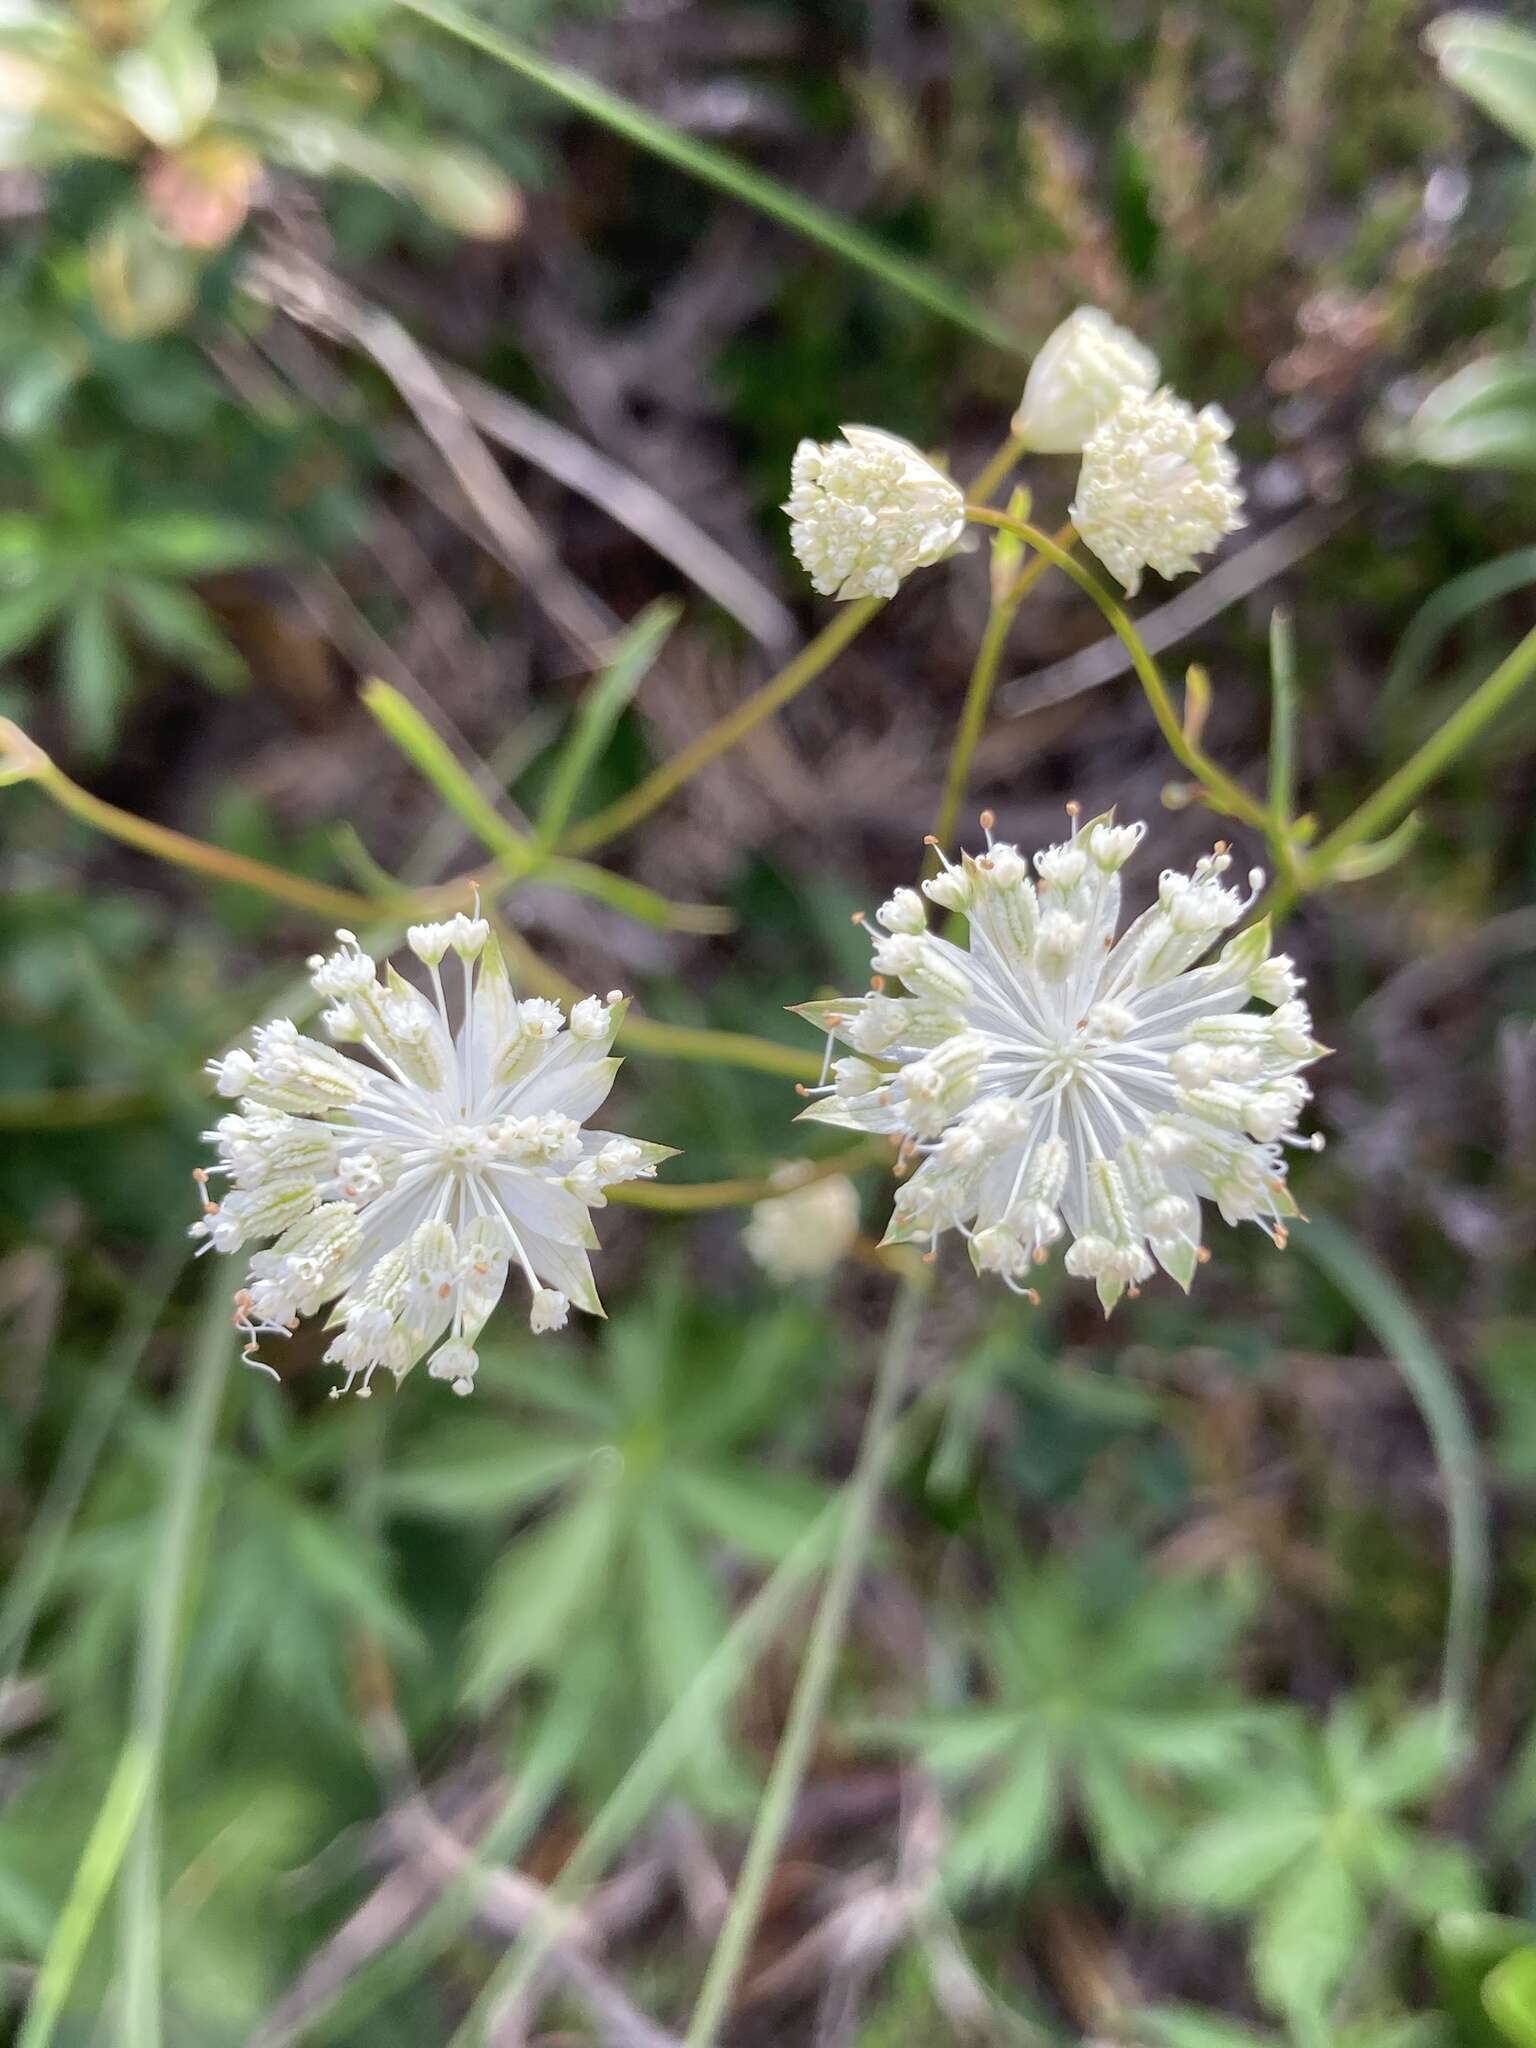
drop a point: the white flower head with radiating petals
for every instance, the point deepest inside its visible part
(804, 1229)
(406, 1184)
(1057, 1083)
(1158, 487)
(867, 510)
(1083, 370)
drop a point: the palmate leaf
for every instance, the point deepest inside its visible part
(680, 1619)
(1308, 1934)
(1229, 1862)
(760, 1512)
(181, 626)
(537, 1589)
(467, 1471)
(94, 668)
(1007, 1833)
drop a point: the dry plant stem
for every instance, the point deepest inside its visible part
(816, 1674)
(1221, 792)
(627, 811)
(978, 695)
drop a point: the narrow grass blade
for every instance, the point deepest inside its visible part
(1282, 716)
(726, 173)
(94, 1877)
(1443, 610)
(429, 753)
(1376, 1297)
(598, 714)
(154, 1677)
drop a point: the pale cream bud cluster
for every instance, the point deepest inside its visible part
(1080, 375)
(405, 1184)
(867, 510)
(1158, 488)
(806, 1227)
(1053, 1083)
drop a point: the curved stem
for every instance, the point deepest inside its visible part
(826, 1641)
(648, 795)
(1221, 791)
(978, 695)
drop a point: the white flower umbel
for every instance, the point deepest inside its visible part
(806, 1229)
(1056, 1083)
(405, 1184)
(1081, 373)
(867, 510)
(1158, 486)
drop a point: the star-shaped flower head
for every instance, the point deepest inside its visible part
(1158, 486)
(1050, 1081)
(1084, 369)
(867, 510)
(405, 1184)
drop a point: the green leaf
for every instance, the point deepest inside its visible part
(26, 613)
(680, 1620)
(1307, 1936)
(1415, 1758)
(94, 664)
(760, 1512)
(955, 1745)
(599, 712)
(182, 627)
(434, 760)
(468, 1473)
(1482, 418)
(715, 167)
(535, 1591)
(1509, 1997)
(1185, 2026)
(1011, 1827)
(1197, 1742)
(1230, 1861)
(1493, 62)
(1426, 1875)
(191, 543)
(1127, 1826)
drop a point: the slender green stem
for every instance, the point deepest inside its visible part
(986, 481)
(973, 717)
(809, 1702)
(1220, 790)
(1377, 1299)
(164, 1599)
(689, 1196)
(648, 795)
(1385, 806)
(978, 695)
(1282, 721)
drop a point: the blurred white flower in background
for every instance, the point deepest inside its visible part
(867, 510)
(410, 1182)
(1158, 487)
(1084, 368)
(1050, 1082)
(806, 1229)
